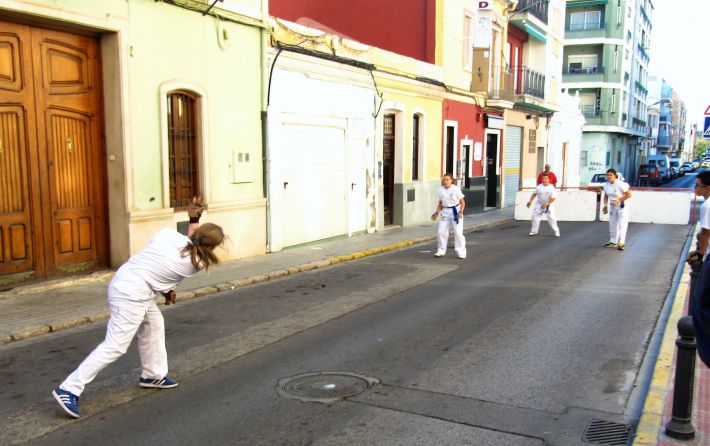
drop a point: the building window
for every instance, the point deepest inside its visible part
(585, 20)
(467, 41)
(583, 158)
(183, 165)
(415, 148)
(608, 158)
(618, 158)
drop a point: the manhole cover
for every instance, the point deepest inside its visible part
(324, 387)
(607, 433)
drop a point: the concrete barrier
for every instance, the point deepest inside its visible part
(570, 205)
(657, 206)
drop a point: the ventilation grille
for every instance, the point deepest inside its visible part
(607, 433)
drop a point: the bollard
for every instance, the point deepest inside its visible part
(695, 268)
(681, 425)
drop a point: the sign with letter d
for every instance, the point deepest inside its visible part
(485, 4)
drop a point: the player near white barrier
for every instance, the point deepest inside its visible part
(616, 191)
(546, 195)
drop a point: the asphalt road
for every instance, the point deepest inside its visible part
(523, 343)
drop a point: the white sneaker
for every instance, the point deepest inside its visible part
(557, 234)
(439, 254)
(532, 233)
(462, 257)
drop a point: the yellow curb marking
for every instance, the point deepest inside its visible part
(651, 421)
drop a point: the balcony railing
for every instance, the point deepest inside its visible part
(585, 26)
(538, 8)
(530, 82)
(500, 86)
(585, 70)
(590, 111)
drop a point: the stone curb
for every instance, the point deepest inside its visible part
(19, 335)
(650, 424)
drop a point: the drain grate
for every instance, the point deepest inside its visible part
(607, 433)
(324, 387)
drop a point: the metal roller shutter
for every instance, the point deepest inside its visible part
(511, 163)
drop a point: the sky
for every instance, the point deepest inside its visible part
(680, 40)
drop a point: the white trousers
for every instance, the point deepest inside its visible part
(618, 222)
(447, 221)
(537, 214)
(128, 318)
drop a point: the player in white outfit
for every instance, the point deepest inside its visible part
(617, 192)
(167, 259)
(450, 209)
(546, 194)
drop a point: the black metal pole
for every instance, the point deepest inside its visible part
(695, 268)
(681, 424)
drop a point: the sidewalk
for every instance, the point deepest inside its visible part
(658, 406)
(33, 310)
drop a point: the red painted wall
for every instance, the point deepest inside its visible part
(405, 27)
(471, 123)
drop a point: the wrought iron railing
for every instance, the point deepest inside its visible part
(538, 8)
(585, 26)
(530, 82)
(501, 84)
(585, 70)
(590, 111)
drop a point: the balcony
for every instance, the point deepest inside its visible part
(585, 74)
(585, 30)
(530, 83)
(590, 111)
(537, 8)
(501, 92)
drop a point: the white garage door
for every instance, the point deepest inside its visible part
(511, 162)
(314, 195)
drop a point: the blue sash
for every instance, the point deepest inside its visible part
(456, 213)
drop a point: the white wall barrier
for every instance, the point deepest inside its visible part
(570, 205)
(657, 206)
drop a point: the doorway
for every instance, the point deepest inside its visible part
(465, 156)
(450, 146)
(388, 149)
(51, 158)
(491, 170)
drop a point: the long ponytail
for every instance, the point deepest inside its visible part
(206, 238)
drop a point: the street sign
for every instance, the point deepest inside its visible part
(706, 128)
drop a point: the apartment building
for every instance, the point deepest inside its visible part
(606, 61)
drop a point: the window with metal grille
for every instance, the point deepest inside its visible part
(183, 164)
(415, 148)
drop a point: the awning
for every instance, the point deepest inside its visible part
(535, 32)
(583, 3)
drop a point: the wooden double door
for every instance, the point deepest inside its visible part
(52, 174)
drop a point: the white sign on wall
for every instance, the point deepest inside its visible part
(483, 33)
(477, 151)
(485, 4)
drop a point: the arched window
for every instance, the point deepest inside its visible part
(183, 137)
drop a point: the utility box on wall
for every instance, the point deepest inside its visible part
(242, 166)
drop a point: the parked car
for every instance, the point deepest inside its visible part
(664, 166)
(649, 175)
(687, 167)
(675, 172)
(675, 165)
(705, 163)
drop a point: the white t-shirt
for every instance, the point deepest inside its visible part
(616, 190)
(161, 266)
(544, 193)
(451, 196)
(705, 220)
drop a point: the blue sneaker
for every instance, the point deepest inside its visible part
(68, 401)
(160, 383)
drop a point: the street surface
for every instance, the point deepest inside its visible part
(523, 343)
